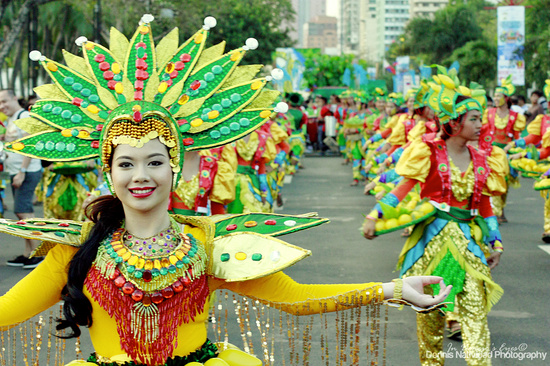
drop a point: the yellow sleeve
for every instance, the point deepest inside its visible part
(270, 151)
(496, 181)
(391, 123)
(397, 137)
(417, 131)
(39, 290)
(520, 123)
(223, 188)
(280, 291)
(485, 119)
(534, 127)
(277, 133)
(415, 161)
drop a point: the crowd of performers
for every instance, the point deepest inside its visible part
(440, 163)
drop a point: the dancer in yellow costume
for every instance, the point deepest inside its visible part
(455, 243)
(138, 277)
(501, 126)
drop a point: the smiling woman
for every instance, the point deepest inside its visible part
(139, 278)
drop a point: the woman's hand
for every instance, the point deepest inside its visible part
(515, 156)
(494, 259)
(369, 229)
(413, 290)
(509, 146)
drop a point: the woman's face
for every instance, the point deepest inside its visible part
(410, 104)
(380, 104)
(142, 177)
(471, 128)
(391, 109)
(499, 99)
(428, 113)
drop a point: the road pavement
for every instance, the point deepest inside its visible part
(519, 323)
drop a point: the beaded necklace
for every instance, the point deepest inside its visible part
(150, 293)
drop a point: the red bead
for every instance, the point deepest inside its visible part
(179, 65)
(138, 85)
(186, 281)
(95, 144)
(21, 222)
(141, 44)
(157, 298)
(169, 82)
(195, 85)
(111, 84)
(142, 74)
(104, 66)
(77, 102)
(138, 95)
(188, 141)
(137, 116)
(185, 57)
(174, 74)
(181, 122)
(141, 64)
(270, 222)
(62, 224)
(119, 281)
(231, 227)
(108, 75)
(137, 295)
(177, 286)
(146, 300)
(100, 128)
(128, 288)
(147, 276)
(99, 58)
(167, 293)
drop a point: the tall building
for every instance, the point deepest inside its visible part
(350, 25)
(426, 8)
(392, 16)
(305, 11)
(321, 32)
(368, 38)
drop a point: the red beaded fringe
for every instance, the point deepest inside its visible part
(147, 333)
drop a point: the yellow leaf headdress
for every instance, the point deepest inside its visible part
(506, 87)
(443, 93)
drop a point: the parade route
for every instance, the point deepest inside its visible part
(519, 323)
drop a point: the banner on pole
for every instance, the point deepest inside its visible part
(511, 42)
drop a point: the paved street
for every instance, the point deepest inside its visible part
(518, 323)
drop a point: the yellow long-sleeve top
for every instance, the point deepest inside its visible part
(41, 289)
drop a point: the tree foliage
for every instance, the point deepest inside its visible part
(62, 21)
(537, 42)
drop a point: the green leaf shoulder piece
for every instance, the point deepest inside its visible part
(49, 231)
(265, 223)
(250, 251)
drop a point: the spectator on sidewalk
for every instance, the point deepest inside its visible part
(24, 174)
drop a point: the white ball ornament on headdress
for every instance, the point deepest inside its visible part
(80, 41)
(209, 22)
(146, 19)
(277, 74)
(35, 55)
(281, 107)
(251, 43)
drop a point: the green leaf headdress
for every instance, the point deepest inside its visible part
(379, 94)
(444, 91)
(396, 98)
(188, 97)
(506, 87)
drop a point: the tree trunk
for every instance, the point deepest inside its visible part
(16, 27)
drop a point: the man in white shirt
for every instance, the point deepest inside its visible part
(25, 173)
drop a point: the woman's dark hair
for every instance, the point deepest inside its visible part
(448, 128)
(107, 214)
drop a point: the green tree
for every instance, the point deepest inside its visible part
(478, 61)
(537, 42)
